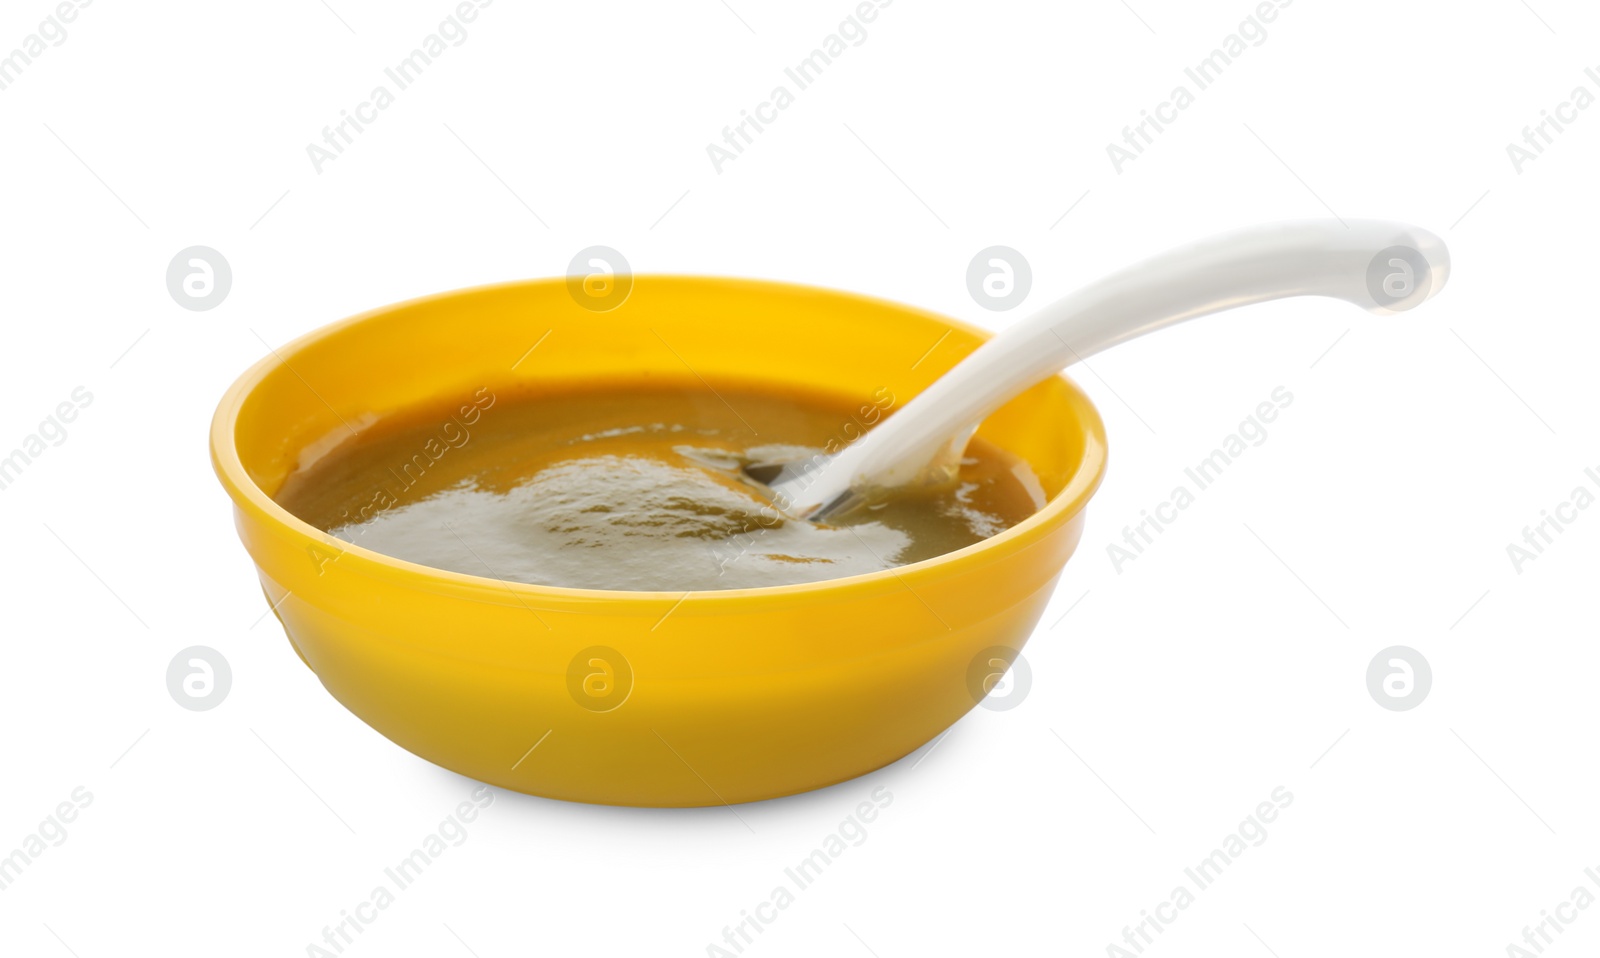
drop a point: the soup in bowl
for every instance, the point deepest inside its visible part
(515, 535)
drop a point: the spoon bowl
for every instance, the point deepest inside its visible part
(644, 698)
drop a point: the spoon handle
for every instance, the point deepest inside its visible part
(1383, 267)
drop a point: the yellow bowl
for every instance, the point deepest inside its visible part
(644, 698)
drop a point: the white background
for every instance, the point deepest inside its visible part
(1227, 660)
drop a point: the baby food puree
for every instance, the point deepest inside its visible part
(630, 488)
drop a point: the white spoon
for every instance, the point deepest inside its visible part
(1380, 266)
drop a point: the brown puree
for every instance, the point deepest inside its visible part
(631, 488)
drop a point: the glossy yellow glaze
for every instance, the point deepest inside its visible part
(643, 698)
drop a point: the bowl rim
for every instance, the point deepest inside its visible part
(251, 498)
